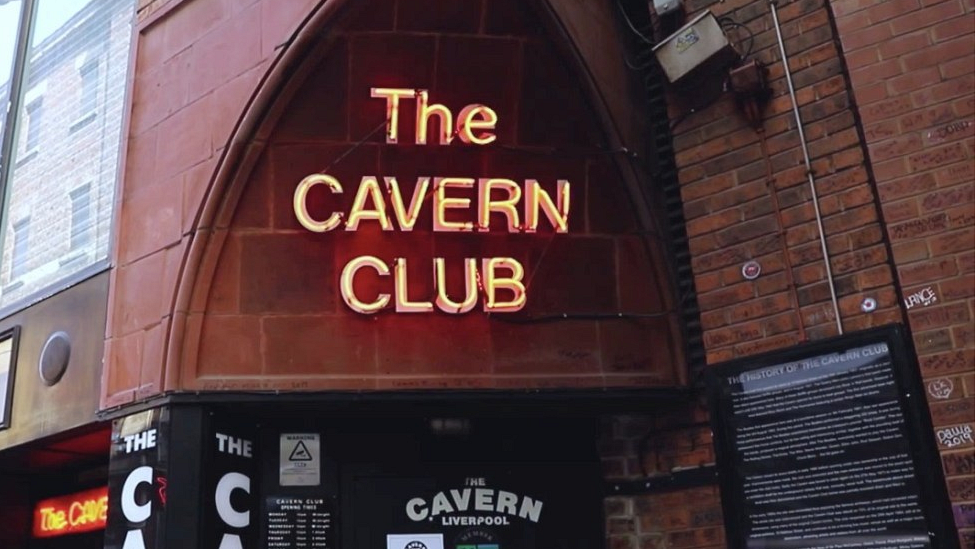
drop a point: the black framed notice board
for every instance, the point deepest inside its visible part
(829, 445)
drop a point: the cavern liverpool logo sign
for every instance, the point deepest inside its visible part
(521, 206)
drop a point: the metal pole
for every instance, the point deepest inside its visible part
(806, 160)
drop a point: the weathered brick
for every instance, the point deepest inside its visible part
(933, 341)
(726, 296)
(947, 363)
(936, 316)
(951, 412)
(904, 43)
(909, 251)
(915, 228)
(949, 243)
(959, 463)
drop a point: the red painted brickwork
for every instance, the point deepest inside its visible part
(288, 327)
(190, 88)
(267, 312)
(911, 65)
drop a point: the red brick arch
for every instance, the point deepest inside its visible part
(228, 333)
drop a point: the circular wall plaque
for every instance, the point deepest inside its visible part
(54, 358)
(751, 270)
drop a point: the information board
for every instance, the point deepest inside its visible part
(829, 445)
(299, 523)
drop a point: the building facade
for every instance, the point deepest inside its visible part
(356, 273)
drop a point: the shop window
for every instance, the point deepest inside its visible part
(35, 115)
(80, 217)
(66, 66)
(9, 31)
(88, 95)
(8, 341)
(21, 249)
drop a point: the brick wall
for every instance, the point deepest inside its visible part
(911, 67)
(637, 448)
(898, 219)
(898, 197)
(743, 204)
(732, 211)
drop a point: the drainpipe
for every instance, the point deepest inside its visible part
(806, 160)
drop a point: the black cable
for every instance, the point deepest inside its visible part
(355, 146)
(727, 22)
(633, 29)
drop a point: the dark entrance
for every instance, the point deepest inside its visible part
(458, 483)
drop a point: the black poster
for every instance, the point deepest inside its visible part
(299, 491)
(829, 445)
(137, 486)
(476, 506)
(229, 486)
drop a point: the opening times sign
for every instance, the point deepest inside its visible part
(828, 446)
(519, 206)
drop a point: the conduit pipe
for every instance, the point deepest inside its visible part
(806, 160)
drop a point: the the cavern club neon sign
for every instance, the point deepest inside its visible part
(521, 206)
(72, 514)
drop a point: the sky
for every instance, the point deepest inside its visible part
(51, 14)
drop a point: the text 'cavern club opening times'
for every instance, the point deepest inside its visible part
(822, 456)
(298, 523)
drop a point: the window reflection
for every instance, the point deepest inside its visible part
(65, 145)
(9, 19)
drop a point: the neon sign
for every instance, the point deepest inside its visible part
(72, 514)
(521, 207)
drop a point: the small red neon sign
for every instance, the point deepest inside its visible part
(72, 514)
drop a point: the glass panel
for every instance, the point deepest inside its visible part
(6, 346)
(89, 89)
(21, 248)
(80, 217)
(68, 132)
(9, 17)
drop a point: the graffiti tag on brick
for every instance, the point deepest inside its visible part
(948, 197)
(961, 489)
(941, 388)
(954, 436)
(937, 157)
(959, 172)
(923, 297)
(918, 227)
(952, 412)
(939, 316)
(962, 219)
(933, 342)
(959, 464)
(968, 539)
(949, 131)
(949, 363)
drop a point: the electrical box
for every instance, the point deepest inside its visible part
(700, 40)
(664, 7)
